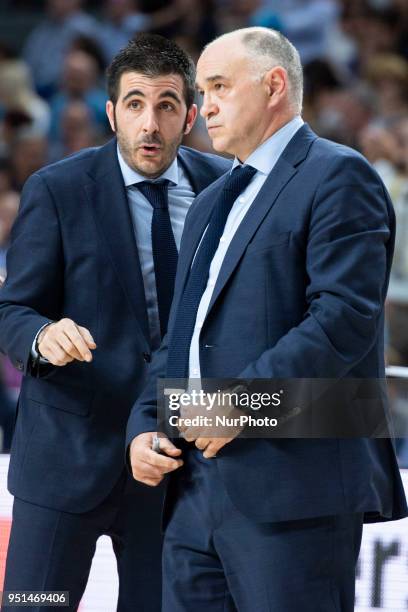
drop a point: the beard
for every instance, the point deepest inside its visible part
(150, 168)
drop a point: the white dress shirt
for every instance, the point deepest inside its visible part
(263, 159)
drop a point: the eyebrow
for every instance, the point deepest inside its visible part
(211, 79)
(165, 94)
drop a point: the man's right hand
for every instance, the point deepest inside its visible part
(64, 341)
(148, 466)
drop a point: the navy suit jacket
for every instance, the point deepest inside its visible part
(300, 294)
(73, 254)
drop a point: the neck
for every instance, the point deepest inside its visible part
(274, 126)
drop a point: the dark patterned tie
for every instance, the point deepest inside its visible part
(180, 340)
(164, 247)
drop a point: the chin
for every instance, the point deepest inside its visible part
(218, 145)
(149, 168)
(221, 147)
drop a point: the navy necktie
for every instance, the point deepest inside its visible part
(164, 247)
(180, 340)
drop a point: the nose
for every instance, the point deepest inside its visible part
(208, 107)
(150, 122)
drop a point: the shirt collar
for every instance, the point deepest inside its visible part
(267, 154)
(130, 176)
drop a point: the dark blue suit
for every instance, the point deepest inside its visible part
(73, 254)
(300, 295)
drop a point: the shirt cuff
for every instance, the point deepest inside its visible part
(34, 353)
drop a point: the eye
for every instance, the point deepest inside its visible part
(219, 86)
(167, 106)
(135, 104)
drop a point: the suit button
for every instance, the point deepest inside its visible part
(147, 357)
(20, 365)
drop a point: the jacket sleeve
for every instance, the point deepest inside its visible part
(143, 417)
(31, 294)
(348, 258)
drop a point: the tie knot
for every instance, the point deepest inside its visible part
(155, 192)
(239, 179)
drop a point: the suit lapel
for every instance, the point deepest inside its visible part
(196, 173)
(282, 173)
(200, 172)
(107, 195)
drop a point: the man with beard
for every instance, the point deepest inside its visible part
(91, 270)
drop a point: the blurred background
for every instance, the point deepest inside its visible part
(53, 54)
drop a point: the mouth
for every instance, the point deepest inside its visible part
(150, 149)
(212, 127)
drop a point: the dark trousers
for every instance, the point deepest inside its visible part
(52, 551)
(217, 560)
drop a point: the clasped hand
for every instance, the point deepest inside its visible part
(150, 467)
(210, 433)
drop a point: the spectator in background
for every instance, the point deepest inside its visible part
(402, 45)
(385, 144)
(124, 19)
(93, 48)
(47, 44)
(6, 52)
(307, 23)
(343, 112)
(321, 78)
(9, 203)
(77, 131)
(397, 184)
(201, 22)
(13, 123)
(5, 176)
(240, 13)
(388, 75)
(28, 154)
(379, 146)
(80, 82)
(374, 29)
(19, 100)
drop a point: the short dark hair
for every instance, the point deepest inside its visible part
(153, 56)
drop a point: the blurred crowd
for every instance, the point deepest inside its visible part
(52, 96)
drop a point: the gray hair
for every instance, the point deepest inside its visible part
(269, 48)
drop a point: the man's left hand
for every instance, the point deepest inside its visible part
(211, 446)
(211, 438)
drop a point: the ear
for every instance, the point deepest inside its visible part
(110, 111)
(191, 117)
(276, 83)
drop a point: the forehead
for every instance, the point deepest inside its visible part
(222, 59)
(150, 85)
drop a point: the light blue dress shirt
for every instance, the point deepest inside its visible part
(180, 195)
(263, 159)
